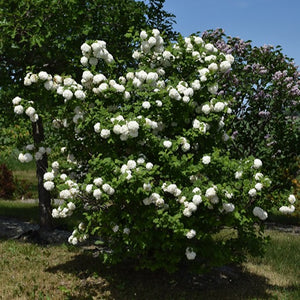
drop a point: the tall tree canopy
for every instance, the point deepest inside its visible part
(45, 34)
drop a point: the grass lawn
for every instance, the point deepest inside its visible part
(30, 271)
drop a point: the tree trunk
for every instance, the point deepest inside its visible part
(45, 216)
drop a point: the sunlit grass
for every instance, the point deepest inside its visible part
(30, 271)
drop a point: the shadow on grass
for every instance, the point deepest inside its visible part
(28, 212)
(124, 282)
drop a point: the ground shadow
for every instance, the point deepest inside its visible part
(123, 282)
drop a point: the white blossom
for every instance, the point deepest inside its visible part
(228, 207)
(190, 254)
(167, 144)
(287, 209)
(97, 193)
(238, 174)
(260, 213)
(149, 166)
(206, 159)
(292, 199)
(190, 234)
(105, 133)
(19, 109)
(225, 66)
(257, 163)
(48, 176)
(97, 127)
(252, 192)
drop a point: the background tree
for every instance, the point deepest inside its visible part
(265, 85)
(46, 34)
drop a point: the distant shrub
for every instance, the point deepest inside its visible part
(7, 186)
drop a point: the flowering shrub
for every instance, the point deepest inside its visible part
(265, 85)
(143, 154)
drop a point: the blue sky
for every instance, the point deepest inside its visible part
(272, 22)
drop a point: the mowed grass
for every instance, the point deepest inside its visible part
(30, 271)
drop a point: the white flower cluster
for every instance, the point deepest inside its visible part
(48, 181)
(125, 130)
(98, 187)
(172, 189)
(260, 213)
(201, 126)
(191, 233)
(92, 53)
(228, 207)
(190, 253)
(156, 199)
(19, 109)
(154, 42)
(25, 158)
(63, 212)
(77, 237)
(291, 208)
(211, 194)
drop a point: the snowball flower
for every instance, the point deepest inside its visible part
(225, 66)
(115, 228)
(146, 104)
(213, 89)
(55, 165)
(191, 206)
(260, 213)
(71, 206)
(186, 212)
(105, 133)
(149, 166)
(43, 75)
(49, 185)
(67, 94)
(126, 230)
(147, 187)
(65, 194)
(185, 147)
(238, 174)
(228, 207)
(197, 199)
(257, 163)
(143, 35)
(131, 164)
(252, 192)
(258, 186)
(17, 100)
(79, 94)
(133, 125)
(89, 188)
(97, 193)
(108, 189)
(85, 48)
(48, 176)
(210, 193)
(206, 109)
(219, 106)
(190, 254)
(206, 159)
(190, 234)
(292, 199)
(258, 176)
(98, 181)
(167, 144)
(19, 109)
(97, 127)
(287, 209)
